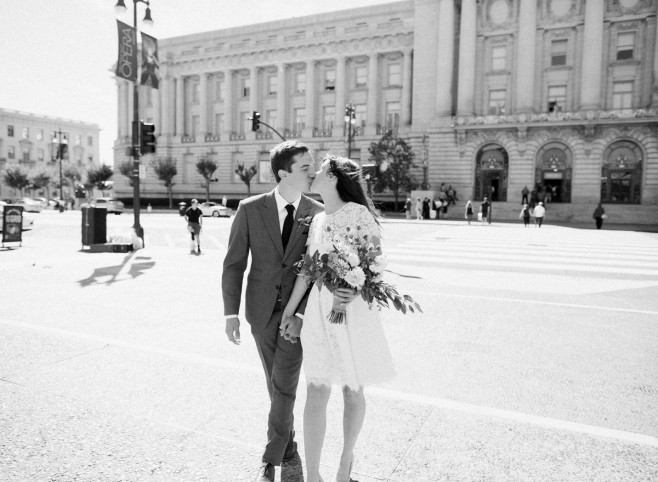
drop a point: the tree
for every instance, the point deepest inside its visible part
(246, 175)
(41, 179)
(98, 178)
(165, 169)
(126, 169)
(206, 168)
(17, 178)
(394, 160)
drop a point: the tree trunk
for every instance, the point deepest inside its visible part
(396, 193)
(248, 190)
(207, 190)
(169, 194)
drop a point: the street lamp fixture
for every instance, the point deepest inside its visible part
(61, 150)
(120, 9)
(350, 120)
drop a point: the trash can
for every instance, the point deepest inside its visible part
(94, 226)
(182, 207)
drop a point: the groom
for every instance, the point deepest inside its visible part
(267, 226)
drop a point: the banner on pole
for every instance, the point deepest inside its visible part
(127, 61)
(150, 71)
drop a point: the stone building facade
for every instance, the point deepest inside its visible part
(28, 140)
(493, 95)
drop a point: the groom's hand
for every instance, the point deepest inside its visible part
(290, 328)
(233, 330)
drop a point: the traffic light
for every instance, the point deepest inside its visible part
(147, 138)
(255, 121)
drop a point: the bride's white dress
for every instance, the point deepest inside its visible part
(355, 353)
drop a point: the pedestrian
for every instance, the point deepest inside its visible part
(540, 211)
(524, 195)
(525, 214)
(484, 210)
(426, 208)
(272, 230)
(469, 212)
(407, 208)
(419, 209)
(599, 215)
(452, 195)
(194, 218)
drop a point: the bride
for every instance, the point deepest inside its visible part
(351, 354)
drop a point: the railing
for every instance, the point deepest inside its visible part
(187, 139)
(357, 131)
(236, 137)
(292, 134)
(322, 132)
(211, 138)
(568, 117)
(381, 130)
(263, 135)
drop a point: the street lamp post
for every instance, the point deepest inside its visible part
(120, 9)
(425, 163)
(57, 137)
(350, 120)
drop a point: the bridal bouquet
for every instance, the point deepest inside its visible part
(355, 263)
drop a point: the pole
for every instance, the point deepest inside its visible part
(139, 231)
(60, 155)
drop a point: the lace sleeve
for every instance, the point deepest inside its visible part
(367, 224)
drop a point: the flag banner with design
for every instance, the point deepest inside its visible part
(127, 61)
(150, 71)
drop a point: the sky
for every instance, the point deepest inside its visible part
(56, 55)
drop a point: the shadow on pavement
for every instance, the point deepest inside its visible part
(136, 270)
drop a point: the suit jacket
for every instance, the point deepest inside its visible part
(256, 230)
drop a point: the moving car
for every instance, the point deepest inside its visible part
(111, 204)
(28, 221)
(216, 210)
(29, 205)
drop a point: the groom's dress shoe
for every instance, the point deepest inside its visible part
(265, 473)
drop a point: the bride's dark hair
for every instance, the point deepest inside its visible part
(348, 185)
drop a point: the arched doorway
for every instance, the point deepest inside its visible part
(621, 173)
(491, 170)
(553, 172)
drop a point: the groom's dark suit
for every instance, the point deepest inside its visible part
(256, 229)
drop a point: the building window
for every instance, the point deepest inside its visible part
(329, 79)
(26, 154)
(361, 76)
(26, 132)
(219, 124)
(625, 45)
(392, 115)
(149, 97)
(10, 131)
(328, 116)
(40, 135)
(40, 154)
(300, 82)
(497, 102)
(78, 139)
(394, 75)
(265, 175)
(558, 52)
(360, 114)
(90, 159)
(498, 58)
(622, 95)
(219, 91)
(557, 98)
(271, 117)
(90, 141)
(195, 93)
(238, 158)
(11, 152)
(246, 87)
(299, 118)
(272, 84)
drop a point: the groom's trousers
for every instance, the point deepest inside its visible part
(282, 363)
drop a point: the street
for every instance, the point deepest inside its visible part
(535, 358)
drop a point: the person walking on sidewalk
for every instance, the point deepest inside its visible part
(524, 195)
(469, 212)
(540, 211)
(194, 218)
(419, 209)
(525, 214)
(599, 215)
(484, 210)
(407, 208)
(273, 228)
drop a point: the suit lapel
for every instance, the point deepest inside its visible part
(270, 215)
(298, 229)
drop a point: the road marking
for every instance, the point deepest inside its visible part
(446, 404)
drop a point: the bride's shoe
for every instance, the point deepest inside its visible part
(334, 479)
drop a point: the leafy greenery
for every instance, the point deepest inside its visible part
(246, 175)
(394, 159)
(165, 169)
(98, 177)
(126, 169)
(206, 167)
(17, 178)
(41, 179)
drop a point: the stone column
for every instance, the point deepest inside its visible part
(373, 86)
(281, 99)
(467, 37)
(590, 86)
(405, 103)
(155, 95)
(180, 106)
(654, 96)
(165, 104)
(124, 118)
(203, 106)
(130, 89)
(228, 104)
(253, 92)
(445, 57)
(340, 91)
(310, 98)
(525, 60)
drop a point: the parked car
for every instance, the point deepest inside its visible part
(111, 204)
(29, 205)
(216, 210)
(28, 221)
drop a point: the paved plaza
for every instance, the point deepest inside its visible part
(536, 358)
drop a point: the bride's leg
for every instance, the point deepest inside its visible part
(354, 412)
(315, 426)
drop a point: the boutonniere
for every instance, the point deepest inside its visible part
(305, 221)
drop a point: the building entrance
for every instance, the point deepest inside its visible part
(491, 173)
(553, 173)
